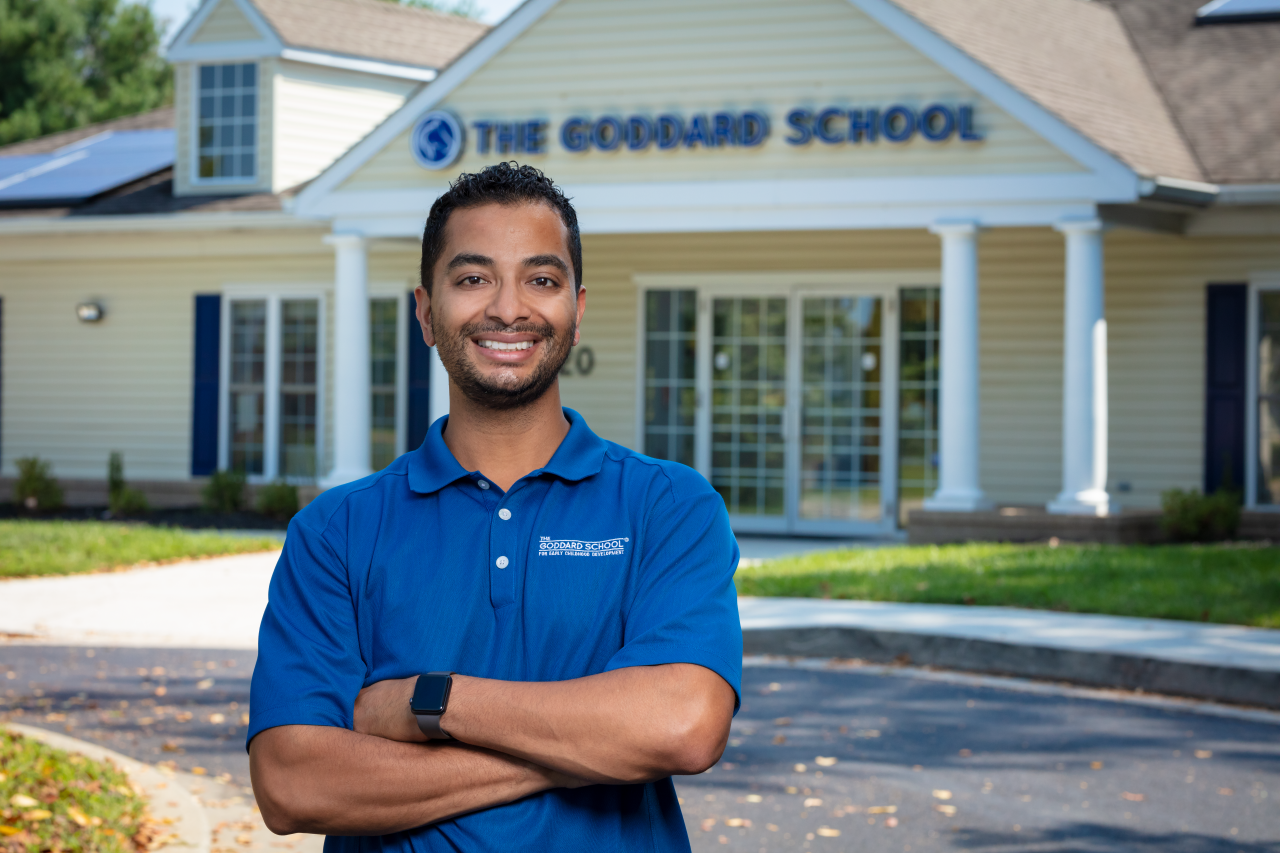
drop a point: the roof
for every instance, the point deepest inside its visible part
(1221, 81)
(1076, 59)
(373, 29)
(160, 119)
(154, 194)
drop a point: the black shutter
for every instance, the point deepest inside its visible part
(419, 412)
(1224, 378)
(204, 399)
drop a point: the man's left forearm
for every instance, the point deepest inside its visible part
(629, 725)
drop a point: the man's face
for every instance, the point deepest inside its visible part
(503, 313)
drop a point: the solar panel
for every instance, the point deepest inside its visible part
(84, 169)
(1227, 11)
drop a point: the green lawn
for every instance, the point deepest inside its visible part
(51, 800)
(32, 548)
(1221, 583)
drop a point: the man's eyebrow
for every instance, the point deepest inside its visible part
(464, 259)
(547, 261)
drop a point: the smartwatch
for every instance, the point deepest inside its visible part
(430, 699)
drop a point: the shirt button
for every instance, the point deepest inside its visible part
(503, 562)
(504, 514)
(484, 484)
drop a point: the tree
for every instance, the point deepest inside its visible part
(461, 8)
(68, 63)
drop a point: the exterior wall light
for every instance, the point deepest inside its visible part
(90, 312)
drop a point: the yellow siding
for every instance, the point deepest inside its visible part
(184, 124)
(598, 57)
(321, 112)
(226, 23)
(74, 392)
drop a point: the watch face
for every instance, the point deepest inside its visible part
(430, 694)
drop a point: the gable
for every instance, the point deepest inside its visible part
(595, 58)
(225, 23)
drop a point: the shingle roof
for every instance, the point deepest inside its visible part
(373, 29)
(1222, 82)
(154, 194)
(160, 119)
(1076, 59)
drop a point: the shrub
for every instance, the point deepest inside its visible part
(278, 500)
(224, 492)
(36, 488)
(122, 499)
(1193, 517)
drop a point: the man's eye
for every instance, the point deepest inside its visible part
(473, 279)
(543, 281)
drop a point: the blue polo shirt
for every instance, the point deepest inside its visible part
(602, 559)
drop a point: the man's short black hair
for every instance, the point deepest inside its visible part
(505, 184)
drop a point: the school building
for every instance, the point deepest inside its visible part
(850, 259)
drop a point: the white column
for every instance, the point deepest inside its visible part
(958, 446)
(1084, 376)
(351, 395)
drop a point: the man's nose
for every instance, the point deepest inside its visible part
(508, 305)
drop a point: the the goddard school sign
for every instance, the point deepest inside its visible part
(439, 138)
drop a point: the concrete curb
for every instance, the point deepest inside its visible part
(190, 824)
(1236, 685)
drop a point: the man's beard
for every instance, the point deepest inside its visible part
(498, 394)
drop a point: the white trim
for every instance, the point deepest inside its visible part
(1259, 282)
(402, 119)
(368, 66)
(402, 372)
(642, 356)
(1031, 113)
(144, 222)
(182, 50)
(1249, 194)
(254, 183)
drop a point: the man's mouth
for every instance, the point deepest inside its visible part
(504, 346)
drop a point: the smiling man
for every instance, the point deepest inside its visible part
(513, 636)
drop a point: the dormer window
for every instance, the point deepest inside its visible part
(227, 141)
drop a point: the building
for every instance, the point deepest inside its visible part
(845, 257)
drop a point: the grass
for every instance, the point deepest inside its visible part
(1219, 583)
(35, 548)
(52, 800)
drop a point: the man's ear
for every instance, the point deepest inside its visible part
(423, 313)
(581, 309)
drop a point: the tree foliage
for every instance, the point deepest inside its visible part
(68, 63)
(461, 8)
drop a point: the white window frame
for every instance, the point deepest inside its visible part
(271, 381)
(238, 181)
(1259, 283)
(794, 286)
(398, 291)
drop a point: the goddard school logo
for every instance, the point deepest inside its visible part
(548, 547)
(436, 140)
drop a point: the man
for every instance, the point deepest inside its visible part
(513, 636)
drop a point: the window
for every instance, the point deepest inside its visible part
(272, 426)
(919, 338)
(670, 396)
(382, 379)
(228, 122)
(1268, 402)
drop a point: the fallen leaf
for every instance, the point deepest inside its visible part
(812, 802)
(199, 771)
(828, 832)
(160, 691)
(949, 811)
(37, 814)
(707, 823)
(217, 719)
(792, 790)
(1226, 792)
(779, 739)
(204, 684)
(825, 761)
(1133, 798)
(772, 827)
(799, 768)
(724, 839)
(941, 794)
(965, 753)
(77, 815)
(146, 721)
(244, 840)
(754, 798)
(734, 821)
(891, 822)
(782, 721)
(171, 746)
(882, 810)
(22, 801)
(1204, 753)
(9, 830)
(1095, 765)
(244, 719)
(774, 687)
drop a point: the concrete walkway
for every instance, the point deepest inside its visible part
(218, 603)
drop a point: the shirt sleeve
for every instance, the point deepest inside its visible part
(309, 668)
(685, 608)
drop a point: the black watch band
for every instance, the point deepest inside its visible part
(429, 702)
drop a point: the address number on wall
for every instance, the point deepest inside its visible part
(581, 364)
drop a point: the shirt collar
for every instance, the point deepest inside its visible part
(433, 466)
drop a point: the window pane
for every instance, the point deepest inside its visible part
(299, 338)
(382, 378)
(670, 393)
(247, 389)
(918, 397)
(227, 143)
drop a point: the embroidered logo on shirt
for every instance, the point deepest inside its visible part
(548, 547)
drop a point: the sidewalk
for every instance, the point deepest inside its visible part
(218, 603)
